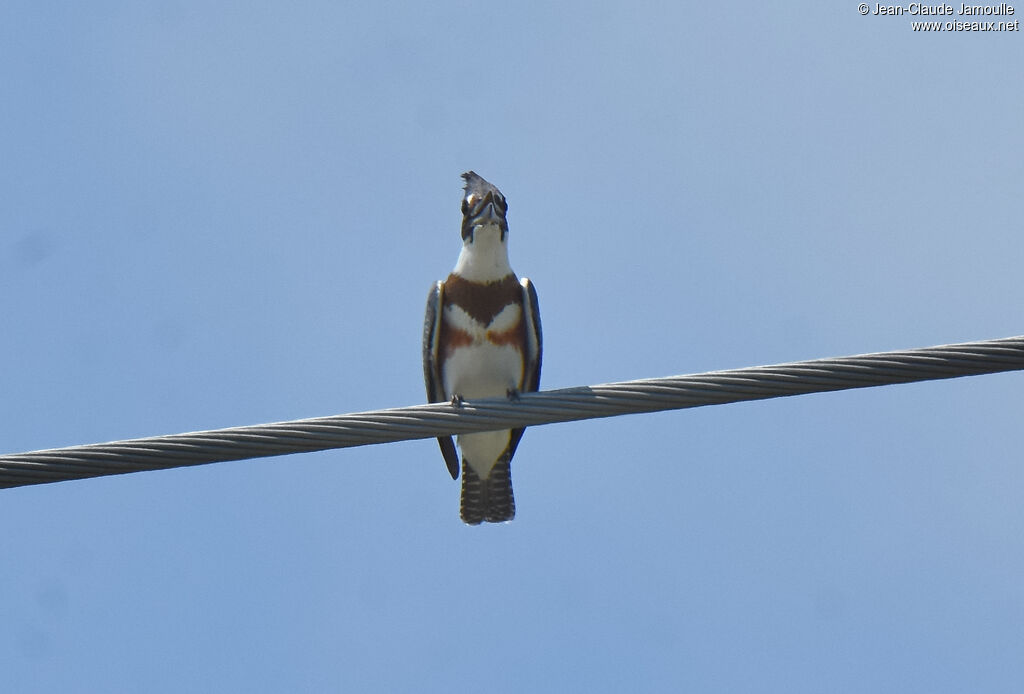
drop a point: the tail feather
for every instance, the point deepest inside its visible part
(489, 499)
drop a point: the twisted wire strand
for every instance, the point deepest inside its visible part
(531, 409)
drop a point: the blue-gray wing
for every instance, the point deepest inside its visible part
(534, 352)
(534, 337)
(432, 370)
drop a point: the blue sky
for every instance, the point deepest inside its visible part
(227, 214)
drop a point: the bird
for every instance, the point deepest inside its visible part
(482, 338)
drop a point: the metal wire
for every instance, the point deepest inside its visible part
(531, 409)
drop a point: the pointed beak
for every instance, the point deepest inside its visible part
(490, 212)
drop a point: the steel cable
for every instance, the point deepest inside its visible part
(531, 409)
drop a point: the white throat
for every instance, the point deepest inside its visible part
(485, 258)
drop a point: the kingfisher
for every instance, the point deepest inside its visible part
(481, 339)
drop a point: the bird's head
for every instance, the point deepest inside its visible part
(483, 205)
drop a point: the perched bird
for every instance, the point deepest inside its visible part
(482, 338)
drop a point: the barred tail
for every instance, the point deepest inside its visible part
(489, 499)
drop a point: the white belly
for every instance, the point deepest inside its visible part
(483, 371)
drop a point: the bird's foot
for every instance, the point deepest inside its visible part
(457, 400)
